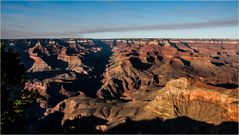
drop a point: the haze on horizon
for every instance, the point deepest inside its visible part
(115, 19)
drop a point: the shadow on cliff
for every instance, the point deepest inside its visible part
(137, 63)
(97, 61)
(181, 125)
(85, 125)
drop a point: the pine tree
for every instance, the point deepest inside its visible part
(13, 98)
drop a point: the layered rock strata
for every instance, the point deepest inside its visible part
(181, 97)
(39, 65)
(149, 64)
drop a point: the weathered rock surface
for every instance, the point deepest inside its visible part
(46, 87)
(146, 64)
(181, 97)
(39, 65)
(146, 80)
(55, 54)
(74, 62)
(195, 100)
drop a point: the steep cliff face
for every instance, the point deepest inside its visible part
(145, 80)
(195, 100)
(149, 64)
(54, 56)
(74, 62)
(39, 65)
(181, 97)
(65, 75)
(51, 88)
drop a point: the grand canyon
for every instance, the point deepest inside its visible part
(129, 85)
(119, 67)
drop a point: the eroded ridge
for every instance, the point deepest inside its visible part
(149, 64)
(180, 97)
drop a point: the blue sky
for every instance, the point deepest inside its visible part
(119, 19)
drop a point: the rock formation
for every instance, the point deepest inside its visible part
(39, 65)
(195, 100)
(42, 87)
(146, 81)
(146, 64)
(181, 97)
(74, 62)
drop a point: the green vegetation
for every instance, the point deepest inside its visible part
(14, 100)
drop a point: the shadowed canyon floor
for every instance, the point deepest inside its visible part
(131, 85)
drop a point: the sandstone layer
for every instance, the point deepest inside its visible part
(39, 65)
(181, 97)
(74, 62)
(149, 64)
(111, 86)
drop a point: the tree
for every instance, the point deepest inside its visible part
(13, 98)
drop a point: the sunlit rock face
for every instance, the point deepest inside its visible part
(183, 97)
(180, 97)
(39, 65)
(149, 64)
(143, 81)
(74, 62)
(55, 65)
(51, 88)
(52, 56)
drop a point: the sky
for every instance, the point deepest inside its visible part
(119, 19)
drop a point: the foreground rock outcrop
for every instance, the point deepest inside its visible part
(181, 97)
(195, 100)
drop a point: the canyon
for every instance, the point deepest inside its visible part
(141, 65)
(171, 85)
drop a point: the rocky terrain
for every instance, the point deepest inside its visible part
(151, 85)
(146, 64)
(74, 62)
(180, 97)
(39, 65)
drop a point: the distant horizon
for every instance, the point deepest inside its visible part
(119, 19)
(119, 38)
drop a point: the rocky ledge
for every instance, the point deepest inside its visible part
(39, 65)
(149, 64)
(179, 98)
(74, 62)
